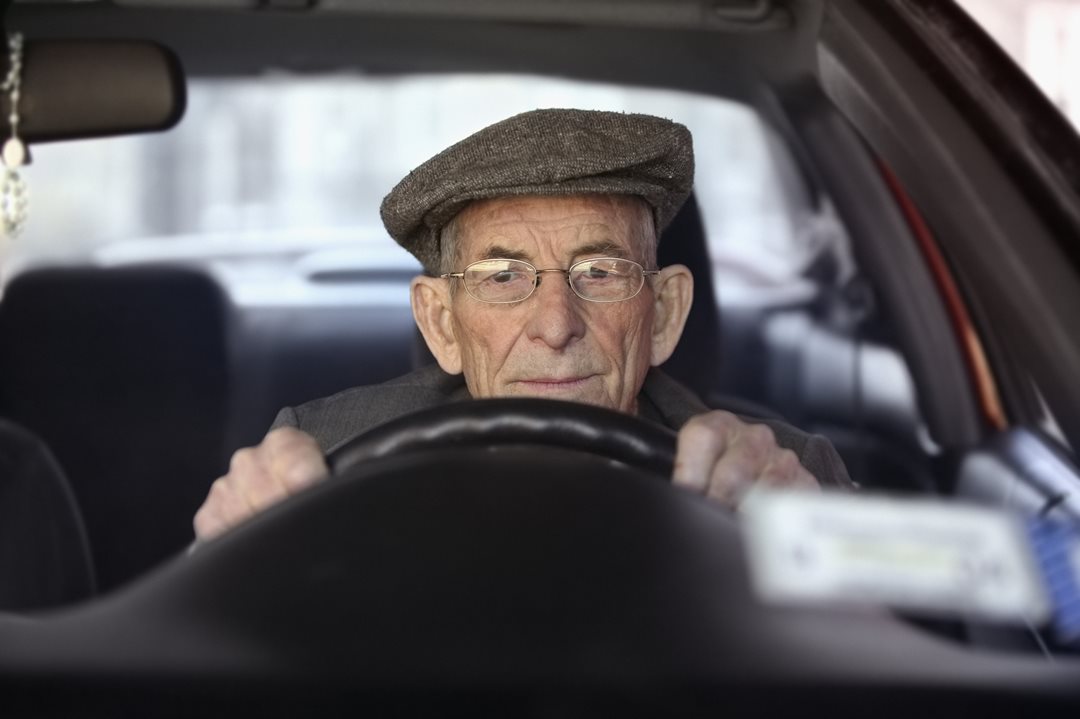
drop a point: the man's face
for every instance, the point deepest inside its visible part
(552, 344)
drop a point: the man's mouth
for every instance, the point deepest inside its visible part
(553, 384)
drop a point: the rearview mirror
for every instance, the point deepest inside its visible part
(73, 89)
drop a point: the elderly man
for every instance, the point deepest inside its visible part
(538, 236)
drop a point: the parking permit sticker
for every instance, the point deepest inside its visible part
(915, 555)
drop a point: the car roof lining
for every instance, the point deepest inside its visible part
(734, 16)
(369, 37)
(79, 88)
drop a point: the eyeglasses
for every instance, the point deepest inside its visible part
(604, 279)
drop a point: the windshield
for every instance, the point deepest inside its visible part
(266, 167)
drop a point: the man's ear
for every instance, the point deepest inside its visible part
(673, 292)
(432, 311)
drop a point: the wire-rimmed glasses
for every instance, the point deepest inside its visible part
(602, 279)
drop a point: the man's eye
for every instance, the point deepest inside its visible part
(596, 274)
(505, 276)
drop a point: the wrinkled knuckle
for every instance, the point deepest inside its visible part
(299, 469)
(218, 491)
(276, 442)
(720, 419)
(259, 490)
(243, 460)
(205, 526)
(706, 428)
(750, 454)
(206, 522)
(787, 463)
(726, 487)
(281, 434)
(804, 478)
(786, 467)
(694, 431)
(694, 424)
(288, 439)
(760, 437)
(757, 442)
(293, 471)
(724, 481)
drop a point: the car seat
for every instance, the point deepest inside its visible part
(698, 360)
(123, 373)
(44, 552)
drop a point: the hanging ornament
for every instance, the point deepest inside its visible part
(14, 197)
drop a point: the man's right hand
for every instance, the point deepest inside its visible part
(285, 462)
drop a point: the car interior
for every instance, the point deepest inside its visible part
(854, 236)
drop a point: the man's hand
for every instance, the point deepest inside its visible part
(286, 461)
(722, 457)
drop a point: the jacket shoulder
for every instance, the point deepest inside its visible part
(334, 419)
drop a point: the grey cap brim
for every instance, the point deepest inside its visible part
(543, 152)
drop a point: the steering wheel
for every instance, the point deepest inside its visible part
(484, 537)
(494, 422)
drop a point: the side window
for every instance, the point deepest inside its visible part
(804, 337)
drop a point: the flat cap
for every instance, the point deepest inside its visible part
(543, 152)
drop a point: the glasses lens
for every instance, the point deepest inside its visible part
(500, 280)
(607, 279)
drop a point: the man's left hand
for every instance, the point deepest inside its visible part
(723, 458)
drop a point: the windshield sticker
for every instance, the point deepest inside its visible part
(914, 555)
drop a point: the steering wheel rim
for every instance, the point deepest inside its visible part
(525, 421)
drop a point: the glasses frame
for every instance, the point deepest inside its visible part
(538, 272)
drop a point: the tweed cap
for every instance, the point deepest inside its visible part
(543, 152)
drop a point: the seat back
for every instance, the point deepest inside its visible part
(696, 360)
(123, 373)
(44, 553)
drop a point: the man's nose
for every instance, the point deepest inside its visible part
(555, 317)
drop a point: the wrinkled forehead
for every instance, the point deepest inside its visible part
(615, 224)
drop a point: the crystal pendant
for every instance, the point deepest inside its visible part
(13, 203)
